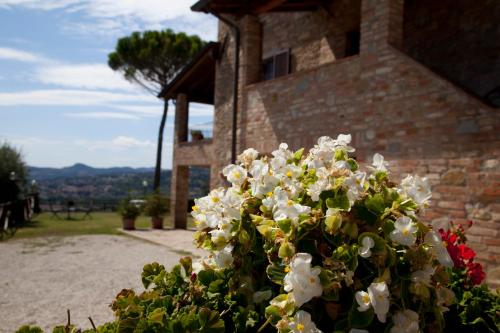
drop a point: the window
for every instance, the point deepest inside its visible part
(276, 65)
(352, 43)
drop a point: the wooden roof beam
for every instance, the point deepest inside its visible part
(267, 6)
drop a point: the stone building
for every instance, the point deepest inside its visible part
(415, 80)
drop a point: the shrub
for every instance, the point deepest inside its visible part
(156, 205)
(309, 244)
(13, 173)
(128, 210)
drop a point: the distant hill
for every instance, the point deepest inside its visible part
(84, 183)
(81, 170)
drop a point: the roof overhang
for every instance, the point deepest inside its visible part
(256, 7)
(197, 79)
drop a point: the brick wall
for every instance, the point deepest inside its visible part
(458, 39)
(395, 106)
(323, 41)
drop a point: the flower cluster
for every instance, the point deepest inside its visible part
(324, 245)
(462, 255)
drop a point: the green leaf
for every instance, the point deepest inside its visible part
(157, 316)
(210, 321)
(285, 225)
(376, 203)
(360, 319)
(286, 250)
(333, 223)
(339, 201)
(150, 272)
(276, 273)
(298, 155)
(206, 277)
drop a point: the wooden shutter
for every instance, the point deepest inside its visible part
(282, 63)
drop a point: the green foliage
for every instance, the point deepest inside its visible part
(153, 58)
(29, 329)
(475, 310)
(13, 172)
(156, 205)
(128, 210)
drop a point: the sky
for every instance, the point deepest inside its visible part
(60, 104)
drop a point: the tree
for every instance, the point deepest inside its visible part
(13, 173)
(152, 59)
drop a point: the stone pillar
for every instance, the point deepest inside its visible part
(181, 119)
(251, 49)
(179, 196)
(381, 25)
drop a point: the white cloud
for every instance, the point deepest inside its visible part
(37, 4)
(118, 143)
(112, 16)
(85, 76)
(128, 142)
(143, 110)
(8, 53)
(102, 115)
(58, 152)
(70, 97)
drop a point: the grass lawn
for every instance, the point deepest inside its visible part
(100, 223)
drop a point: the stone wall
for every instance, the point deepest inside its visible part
(323, 41)
(420, 122)
(458, 39)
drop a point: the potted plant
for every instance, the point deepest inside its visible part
(197, 135)
(156, 206)
(129, 212)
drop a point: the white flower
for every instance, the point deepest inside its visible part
(363, 300)
(248, 156)
(405, 322)
(286, 208)
(302, 281)
(259, 169)
(445, 297)
(404, 233)
(355, 330)
(378, 297)
(348, 278)
(378, 163)
(365, 250)
(423, 276)
(302, 323)
(221, 235)
(437, 247)
(198, 266)
(417, 188)
(224, 258)
(235, 174)
(355, 186)
(343, 141)
(322, 184)
(261, 296)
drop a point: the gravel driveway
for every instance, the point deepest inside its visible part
(42, 277)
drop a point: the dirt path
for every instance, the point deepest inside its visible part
(42, 277)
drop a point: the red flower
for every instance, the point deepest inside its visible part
(475, 273)
(466, 253)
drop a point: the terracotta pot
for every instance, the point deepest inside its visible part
(128, 223)
(157, 222)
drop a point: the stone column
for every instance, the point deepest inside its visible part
(179, 195)
(381, 25)
(181, 119)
